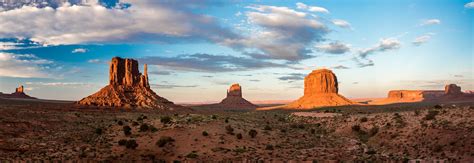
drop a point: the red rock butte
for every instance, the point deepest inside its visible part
(19, 93)
(320, 89)
(450, 92)
(128, 88)
(234, 99)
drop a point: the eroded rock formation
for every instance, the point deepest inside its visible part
(320, 89)
(128, 88)
(234, 99)
(19, 93)
(452, 89)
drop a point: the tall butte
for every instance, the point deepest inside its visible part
(320, 89)
(128, 88)
(234, 99)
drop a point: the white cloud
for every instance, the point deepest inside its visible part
(341, 23)
(430, 22)
(94, 61)
(300, 5)
(95, 23)
(383, 45)
(334, 48)
(469, 5)
(281, 33)
(422, 39)
(79, 50)
(23, 66)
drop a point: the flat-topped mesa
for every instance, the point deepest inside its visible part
(125, 72)
(19, 89)
(234, 99)
(452, 89)
(234, 90)
(320, 81)
(320, 89)
(128, 88)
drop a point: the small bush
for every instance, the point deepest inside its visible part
(226, 120)
(229, 129)
(239, 136)
(269, 147)
(192, 155)
(164, 140)
(431, 115)
(417, 112)
(267, 127)
(135, 123)
(253, 133)
(204, 133)
(144, 128)
(165, 119)
(152, 128)
(356, 128)
(131, 144)
(214, 117)
(127, 130)
(363, 119)
(283, 130)
(438, 107)
(98, 131)
(312, 131)
(122, 142)
(120, 123)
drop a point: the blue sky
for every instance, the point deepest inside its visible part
(196, 50)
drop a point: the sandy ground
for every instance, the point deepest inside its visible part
(62, 131)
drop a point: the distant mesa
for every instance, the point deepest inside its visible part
(320, 90)
(128, 88)
(234, 99)
(19, 93)
(450, 92)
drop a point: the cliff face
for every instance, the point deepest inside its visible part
(320, 89)
(19, 93)
(128, 88)
(234, 99)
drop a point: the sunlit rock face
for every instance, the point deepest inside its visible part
(234, 99)
(128, 88)
(320, 89)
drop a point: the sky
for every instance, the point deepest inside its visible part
(196, 49)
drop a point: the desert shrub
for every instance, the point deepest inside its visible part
(281, 119)
(438, 106)
(135, 123)
(283, 130)
(269, 147)
(399, 120)
(267, 127)
(373, 131)
(363, 119)
(226, 120)
(98, 131)
(356, 128)
(144, 127)
(253, 133)
(301, 126)
(152, 128)
(214, 117)
(371, 152)
(165, 119)
(192, 155)
(127, 130)
(204, 133)
(431, 115)
(239, 136)
(140, 119)
(164, 140)
(131, 144)
(120, 123)
(229, 129)
(417, 112)
(312, 131)
(122, 142)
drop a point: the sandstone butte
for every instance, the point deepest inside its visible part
(127, 88)
(320, 90)
(234, 99)
(450, 92)
(19, 93)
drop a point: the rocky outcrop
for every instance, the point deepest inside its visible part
(19, 93)
(320, 89)
(234, 99)
(128, 88)
(452, 89)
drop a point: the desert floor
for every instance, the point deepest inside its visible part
(64, 131)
